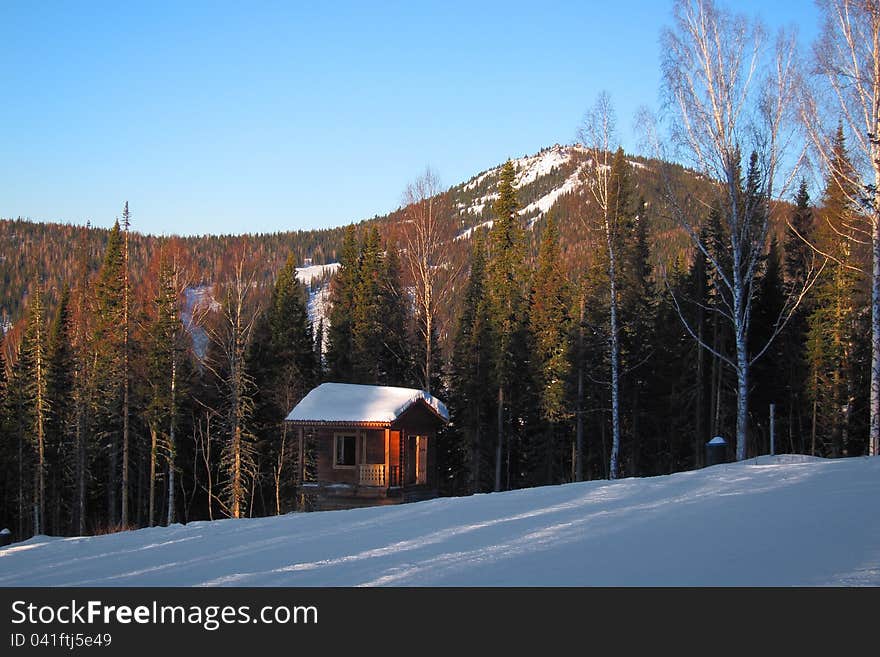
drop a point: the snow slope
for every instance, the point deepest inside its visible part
(771, 521)
(316, 280)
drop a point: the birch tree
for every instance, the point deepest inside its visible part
(727, 89)
(426, 239)
(847, 58)
(597, 136)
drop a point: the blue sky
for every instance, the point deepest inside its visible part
(257, 117)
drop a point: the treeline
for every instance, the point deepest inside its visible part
(40, 253)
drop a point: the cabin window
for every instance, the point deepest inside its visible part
(345, 450)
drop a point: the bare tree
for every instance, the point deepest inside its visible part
(847, 57)
(232, 337)
(427, 239)
(597, 135)
(728, 89)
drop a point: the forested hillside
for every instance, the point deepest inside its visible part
(146, 378)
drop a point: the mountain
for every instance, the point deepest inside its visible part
(772, 521)
(547, 182)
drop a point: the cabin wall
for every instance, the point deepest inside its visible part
(324, 456)
(375, 446)
(371, 449)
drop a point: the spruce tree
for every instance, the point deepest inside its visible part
(396, 367)
(505, 287)
(467, 449)
(161, 362)
(798, 262)
(768, 372)
(342, 297)
(33, 364)
(637, 309)
(835, 303)
(550, 325)
(367, 312)
(107, 358)
(61, 433)
(283, 362)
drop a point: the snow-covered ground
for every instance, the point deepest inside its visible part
(788, 520)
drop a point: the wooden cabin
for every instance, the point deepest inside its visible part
(371, 444)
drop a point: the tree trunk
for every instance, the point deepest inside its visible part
(36, 511)
(499, 447)
(613, 469)
(278, 469)
(699, 430)
(236, 473)
(874, 437)
(429, 327)
(172, 443)
(210, 478)
(39, 474)
(152, 504)
(20, 480)
(742, 395)
(80, 472)
(476, 450)
(125, 450)
(579, 439)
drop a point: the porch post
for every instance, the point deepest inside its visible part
(402, 460)
(387, 455)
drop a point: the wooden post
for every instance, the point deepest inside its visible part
(772, 429)
(387, 456)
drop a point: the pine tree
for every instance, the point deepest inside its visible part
(798, 262)
(126, 365)
(505, 287)
(8, 455)
(282, 360)
(768, 307)
(834, 305)
(367, 312)
(550, 325)
(62, 422)
(396, 356)
(30, 375)
(108, 366)
(470, 397)
(161, 358)
(637, 309)
(344, 285)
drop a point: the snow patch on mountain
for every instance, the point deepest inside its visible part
(316, 278)
(543, 204)
(466, 234)
(307, 275)
(529, 169)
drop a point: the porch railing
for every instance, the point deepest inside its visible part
(372, 474)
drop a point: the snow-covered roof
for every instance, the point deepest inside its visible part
(349, 402)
